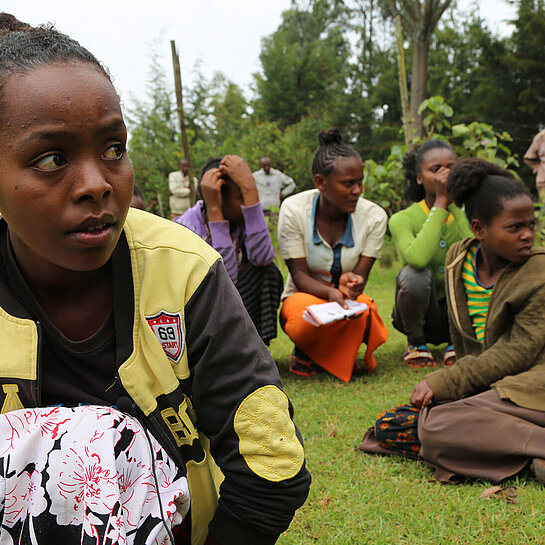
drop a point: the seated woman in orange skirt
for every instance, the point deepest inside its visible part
(330, 238)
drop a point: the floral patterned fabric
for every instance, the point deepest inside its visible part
(84, 475)
(397, 429)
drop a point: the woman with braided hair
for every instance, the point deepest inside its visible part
(423, 233)
(484, 416)
(330, 238)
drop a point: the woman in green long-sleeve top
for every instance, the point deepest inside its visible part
(423, 233)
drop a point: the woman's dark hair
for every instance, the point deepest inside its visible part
(482, 187)
(24, 48)
(137, 192)
(213, 162)
(412, 161)
(331, 148)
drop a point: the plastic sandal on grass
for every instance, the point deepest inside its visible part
(418, 356)
(302, 367)
(537, 467)
(449, 356)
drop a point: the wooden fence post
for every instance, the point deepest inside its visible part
(181, 121)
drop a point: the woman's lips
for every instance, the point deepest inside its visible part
(96, 235)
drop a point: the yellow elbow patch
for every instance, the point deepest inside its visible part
(266, 433)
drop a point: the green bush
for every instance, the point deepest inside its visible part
(384, 183)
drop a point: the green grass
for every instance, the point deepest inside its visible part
(358, 498)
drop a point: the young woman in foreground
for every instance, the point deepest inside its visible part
(330, 238)
(484, 417)
(102, 307)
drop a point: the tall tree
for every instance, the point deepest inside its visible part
(303, 66)
(470, 68)
(154, 146)
(229, 109)
(419, 19)
(528, 77)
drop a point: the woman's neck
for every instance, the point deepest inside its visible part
(489, 266)
(330, 222)
(327, 212)
(430, 200)
(76, 302)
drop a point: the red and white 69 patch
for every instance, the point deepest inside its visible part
(168, 330)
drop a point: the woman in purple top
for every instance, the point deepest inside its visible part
(230, 218)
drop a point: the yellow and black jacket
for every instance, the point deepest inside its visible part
(198, 375)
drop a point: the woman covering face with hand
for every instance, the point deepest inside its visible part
(423, 233)
(230, 218)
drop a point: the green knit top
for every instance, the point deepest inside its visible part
(423, 236)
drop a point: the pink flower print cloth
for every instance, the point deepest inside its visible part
(84, 475)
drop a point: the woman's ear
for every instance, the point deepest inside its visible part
(477, 228)
(419, 179)
(319, 181)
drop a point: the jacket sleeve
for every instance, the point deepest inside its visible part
(514, 352)
(288, 185)
(374, 240)
(176, 185)
(532, 153)
(240, 406)
(259, 248)
(417, 249)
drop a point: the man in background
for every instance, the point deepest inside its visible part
(535, 157)
(272, 185)
(180, 190)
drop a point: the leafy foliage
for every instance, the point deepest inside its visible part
(384, 182)
(304, 66)
(154, 147)
(332, 63)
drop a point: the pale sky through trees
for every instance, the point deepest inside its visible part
(224, 34)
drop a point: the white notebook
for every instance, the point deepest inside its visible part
(325, 313)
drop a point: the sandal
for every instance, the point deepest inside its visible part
(419, 356)
(302, 367)
(449, 356)
(537, 467)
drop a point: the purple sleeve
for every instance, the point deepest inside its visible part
(219, 234)
(259, 248)
(222, 242)
(192, 219)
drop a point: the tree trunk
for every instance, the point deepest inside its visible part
(419, 80)
(403, 91)
(180, 108)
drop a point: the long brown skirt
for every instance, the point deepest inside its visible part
(481, 436)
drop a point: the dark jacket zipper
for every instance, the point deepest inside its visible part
(39, 366)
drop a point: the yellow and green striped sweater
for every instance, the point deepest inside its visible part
(478, 296)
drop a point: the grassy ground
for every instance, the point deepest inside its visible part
(358, 498)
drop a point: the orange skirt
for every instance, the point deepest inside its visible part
(334, 346)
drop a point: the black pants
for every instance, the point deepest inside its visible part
(418, 313)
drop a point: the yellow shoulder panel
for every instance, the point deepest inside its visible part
(19, 342)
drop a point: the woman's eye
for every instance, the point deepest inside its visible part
(50, 162)
(115, 151)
